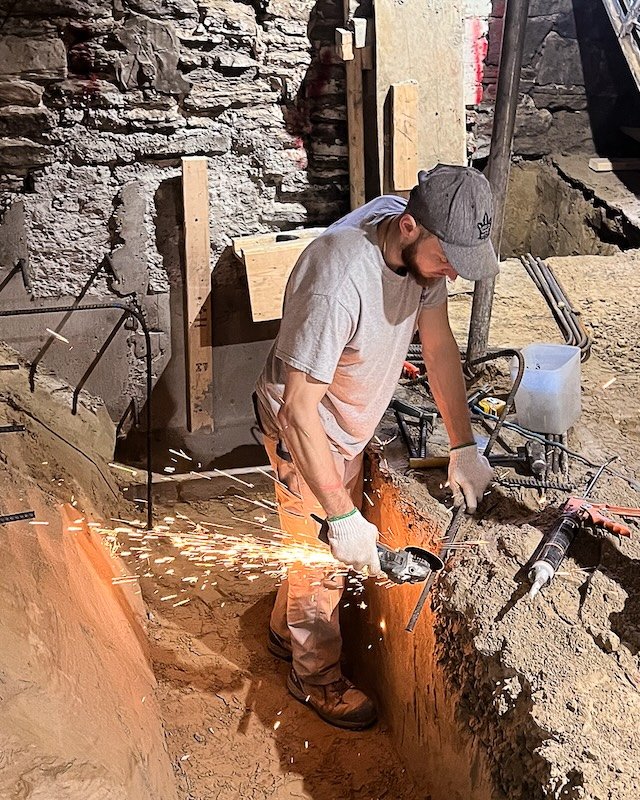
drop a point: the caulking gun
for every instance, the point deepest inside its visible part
(575, 512)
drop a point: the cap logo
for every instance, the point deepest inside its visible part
(484, 227)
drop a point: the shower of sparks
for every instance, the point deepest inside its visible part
(262, 504)
(57, 335)
(233, 477)
(249, 553)
(180, 453)
(123, 468)
(275, 480)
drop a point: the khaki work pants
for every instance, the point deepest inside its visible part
(305, 612)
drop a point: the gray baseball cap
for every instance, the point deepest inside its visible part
(455, 204)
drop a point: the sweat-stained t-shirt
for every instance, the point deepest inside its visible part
(347, 321)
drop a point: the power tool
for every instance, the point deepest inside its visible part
(408, 565)
(575, 512)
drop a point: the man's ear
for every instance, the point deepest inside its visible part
(409, 227)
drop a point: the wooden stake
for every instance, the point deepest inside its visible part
(404, 135)
(197, 287)
(355, 123)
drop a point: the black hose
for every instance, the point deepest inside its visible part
(505, 353)
(527, 434)
(133, 311)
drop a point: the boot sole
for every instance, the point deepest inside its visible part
(279, 652)
(338, 723)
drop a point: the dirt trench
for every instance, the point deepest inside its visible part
(493, 697)
(232, 729)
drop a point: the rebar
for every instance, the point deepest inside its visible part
(135, 312)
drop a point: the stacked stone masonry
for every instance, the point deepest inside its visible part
(100, 100)
(576, 89)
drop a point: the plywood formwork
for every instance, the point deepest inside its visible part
(422, 41)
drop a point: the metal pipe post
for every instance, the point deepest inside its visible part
(515, 21)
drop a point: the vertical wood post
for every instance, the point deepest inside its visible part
(355, 121)
(197, 290)
(499, 162)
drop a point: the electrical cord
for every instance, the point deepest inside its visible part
(527, 434)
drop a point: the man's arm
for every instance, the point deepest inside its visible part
(442, 360)
(351, 537)
(469, 472)
(307, 441)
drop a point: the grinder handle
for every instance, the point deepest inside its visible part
(324, 535)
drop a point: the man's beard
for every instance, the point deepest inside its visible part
(409, 255)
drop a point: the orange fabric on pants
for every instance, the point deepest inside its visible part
(306, 609)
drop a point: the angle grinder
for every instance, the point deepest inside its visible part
(408, 565)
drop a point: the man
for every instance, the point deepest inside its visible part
(353, 303)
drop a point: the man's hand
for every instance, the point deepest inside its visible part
(353, 541)
(469, 475)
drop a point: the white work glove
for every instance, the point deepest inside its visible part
(469, 475)
(353, 541)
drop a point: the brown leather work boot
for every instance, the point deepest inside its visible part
(278, 646)
(338, 703)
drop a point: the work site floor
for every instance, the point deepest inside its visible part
(232, 729)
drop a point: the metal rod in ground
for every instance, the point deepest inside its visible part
(450, 535)
(9, 366)
(135, 311)
(555, 459)
(4, 518)
(12, 428)
(564, 458)
(515, 23)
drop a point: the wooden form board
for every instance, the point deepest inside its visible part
(197, 285)
(355, 121)
(614, 164)
(269, 264)
(404, 135)
(423, 42)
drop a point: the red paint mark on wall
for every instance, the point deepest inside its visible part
(476, 53)
(479, 51)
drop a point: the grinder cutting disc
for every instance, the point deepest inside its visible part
(434, 561)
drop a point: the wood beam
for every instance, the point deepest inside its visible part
(404, 135)
(197, 290)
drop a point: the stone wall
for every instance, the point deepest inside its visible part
(576, 88)
(98, 102)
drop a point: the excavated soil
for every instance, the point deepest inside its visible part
(549, 690)
(544, 696)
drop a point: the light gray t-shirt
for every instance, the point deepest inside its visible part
(347, 321)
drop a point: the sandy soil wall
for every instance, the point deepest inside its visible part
(494, 694)
(415, 693)
(78, 716)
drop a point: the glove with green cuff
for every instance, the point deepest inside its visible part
(469, 475)
(353, 541)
